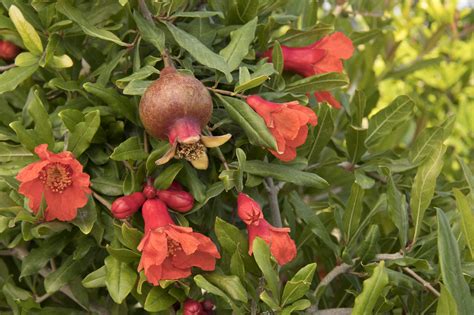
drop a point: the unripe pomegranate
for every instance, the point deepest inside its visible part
(126, 206)
(8, 50)
(192, 307)
(176, 107)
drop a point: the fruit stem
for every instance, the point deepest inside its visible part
(225, 92)
(167, 59)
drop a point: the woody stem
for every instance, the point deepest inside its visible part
(167, 59)
(274, 207)
(102, 200)
(225, 92)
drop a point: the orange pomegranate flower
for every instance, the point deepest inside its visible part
(323, 56)
(287, 123)
(282, 247)
(59, 179)
(170, 251)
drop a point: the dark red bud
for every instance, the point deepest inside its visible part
(181, 201)
(207, 305)
(175, 186)
(149, 191)
(192, 307)
(8, 50)
(126, 206)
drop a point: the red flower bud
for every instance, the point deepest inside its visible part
(149, 191)
(178, 200)
(248, 209)
(155, 214)
(8, 50)
(207, 305)
(192, 307)
(175, 186)
(126, 206)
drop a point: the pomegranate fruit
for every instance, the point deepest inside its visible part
(176, 107)
(8, 50)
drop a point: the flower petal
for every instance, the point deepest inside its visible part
(188, 242)
(63, 206)
(31, 171)
(168, 155)
(33, 190)
(202, 162)
(171, 272)
(337, 44)
(324, 96)
(215, 141)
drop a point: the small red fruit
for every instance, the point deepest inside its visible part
(149, 191)
(192, 307)
(207, 305)
(126, 206)
(8, 50)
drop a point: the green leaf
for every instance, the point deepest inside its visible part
(467, 218)
(250, 84)
(199, 51)
(158, 300)
(446, 303)
(27, 32)
(229, 284)
(253, 125)
(130, 149)
(230, 237)
(297, 287)
(397, 208)
(285, 173)
(130, 236)
(277, 57)
(423, 187)
(193, 183)
(386, 120)
(87, 27)
(80, 139)
(426, 143)
(262, 255)
(120, 279)
(10, 79)
(320, 82)
(121, 105)
(373, 287)
(150, 32)
(450, 265)
(353, 211)
(297, 306)
(322, 133)
(69, 270)
(311, 218)
(123, 254)
(95, 279)
(209, 287)
(238, 48)
(40, 256)
(355, 137)
(359, 38)
(43, 127)
(468, 175)
(167, 176)
(86, 217)
(241, 11)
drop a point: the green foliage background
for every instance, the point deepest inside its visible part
(380, 197)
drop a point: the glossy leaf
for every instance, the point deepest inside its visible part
(372, 290)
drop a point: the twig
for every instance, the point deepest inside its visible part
(145, 11)
(146, 144)
(274, 207)
(425, 283)
(334, 311)
(102, 200)
(225, 92)
(5, 68)
(336, 271)
(167, 59)
(40, 299)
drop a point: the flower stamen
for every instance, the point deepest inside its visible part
(190, 151)
(173, 247)
(56, 176)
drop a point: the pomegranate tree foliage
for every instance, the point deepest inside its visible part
(379, 199)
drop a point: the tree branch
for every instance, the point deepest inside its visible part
(225, 92)
(274, 206)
